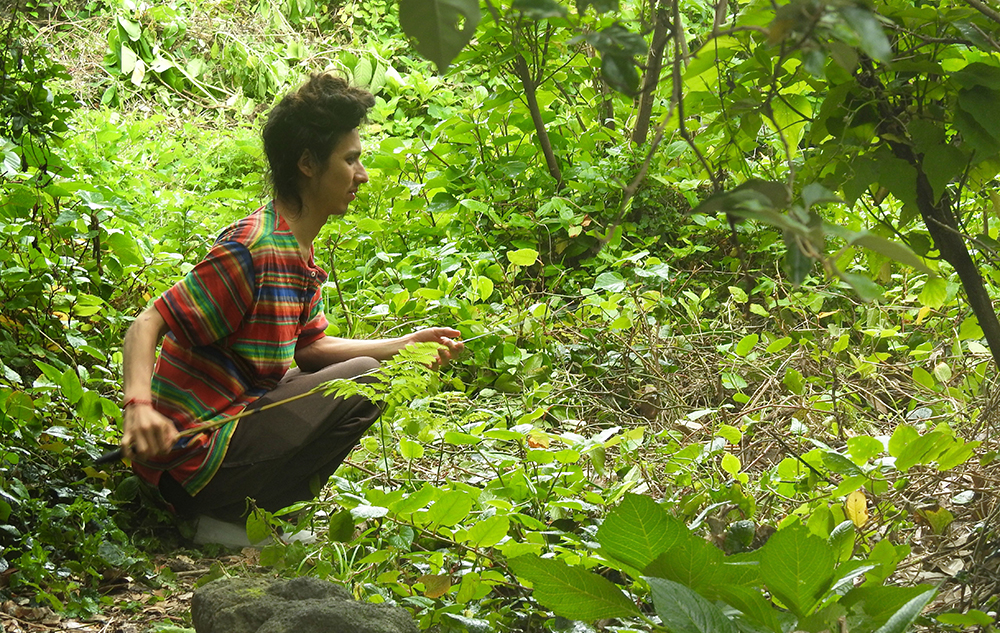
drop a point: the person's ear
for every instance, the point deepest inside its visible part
(307, 165)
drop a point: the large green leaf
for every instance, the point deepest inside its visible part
(923, 450)
(638, 531)
(600, 6)
(900, 178)
(684, 611)
(752, 195)
(71, 386)
(981, 103)
(523, 257)
(572, 592)
(452, 507)
(978, 74)
(693, 562)
(942, 163)
(489, 532)
(439, 28)
(867, 289)
(902, 619)
(797, 568)
(620, 73)
(869, 31)
(893, 250)
(797, 263)
(751, 603)
(879, 602)
(974, 135)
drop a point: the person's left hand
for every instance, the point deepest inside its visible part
(444, 337)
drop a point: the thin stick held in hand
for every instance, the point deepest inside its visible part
(119, 453)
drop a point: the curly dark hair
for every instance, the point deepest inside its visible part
(311, 119)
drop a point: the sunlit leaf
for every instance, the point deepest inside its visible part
(797, 567)
(435, 585)
(746, 344)
(856, 508)
(488, 532)
(572, 592)
(452, 507)
(638, 530)
(522, 257)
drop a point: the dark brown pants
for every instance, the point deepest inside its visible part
(278, 456)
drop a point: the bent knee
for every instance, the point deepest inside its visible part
(362, 365)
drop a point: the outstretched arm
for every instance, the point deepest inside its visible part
(329, 349)
(147, 432)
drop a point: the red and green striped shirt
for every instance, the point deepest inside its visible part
(235, 322)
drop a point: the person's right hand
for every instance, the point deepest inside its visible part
(147, 433)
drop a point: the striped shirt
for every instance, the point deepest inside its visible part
(235, 322)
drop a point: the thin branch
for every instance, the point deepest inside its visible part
(679, 47)
(985, 9)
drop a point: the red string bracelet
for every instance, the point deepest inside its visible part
(132, 401)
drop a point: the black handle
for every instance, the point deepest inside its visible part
(110, 456)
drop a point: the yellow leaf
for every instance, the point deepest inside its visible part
(538, 440)
(90, 471)
(924, 311)
(856, 508)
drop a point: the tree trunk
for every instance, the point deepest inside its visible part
(521, 69)
(654, 64)
(948, 239)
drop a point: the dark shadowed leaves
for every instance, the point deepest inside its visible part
(869, 31)
(540, 9)
(440, 29)
(684, 611)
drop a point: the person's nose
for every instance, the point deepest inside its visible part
(361, 175)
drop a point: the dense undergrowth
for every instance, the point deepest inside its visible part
(661, 354)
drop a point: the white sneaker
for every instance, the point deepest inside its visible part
(210, 530)
(306, 537)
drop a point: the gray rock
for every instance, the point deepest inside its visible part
(301, 605)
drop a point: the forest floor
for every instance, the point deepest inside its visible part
(962, 560)
(137, 608)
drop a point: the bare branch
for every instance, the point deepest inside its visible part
(985, 9)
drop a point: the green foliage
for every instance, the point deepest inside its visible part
(795, 569)
(631, 344)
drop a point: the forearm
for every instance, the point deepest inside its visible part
(330, 349)
(146, 432)
(139, 353)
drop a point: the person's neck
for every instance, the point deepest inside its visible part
(304, 225)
